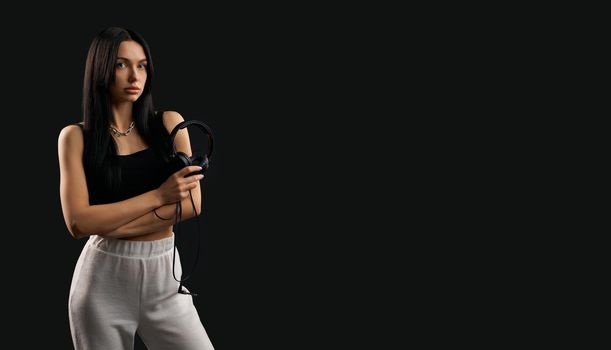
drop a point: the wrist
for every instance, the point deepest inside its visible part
(157, 199)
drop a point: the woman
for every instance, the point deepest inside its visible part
(116, 190)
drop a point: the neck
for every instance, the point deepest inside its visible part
(122, 116)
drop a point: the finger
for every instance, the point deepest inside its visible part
(187, 187)
(194, 178)
(188, 169)
(190, 179)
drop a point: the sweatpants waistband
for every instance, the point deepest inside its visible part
(133, 249)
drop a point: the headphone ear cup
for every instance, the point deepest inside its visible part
(204, 164)
(201, 161)
(178, 161)
(183, 159)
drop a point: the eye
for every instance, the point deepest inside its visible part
(142, 66)
(120, 65)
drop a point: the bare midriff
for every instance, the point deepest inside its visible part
(153, 236)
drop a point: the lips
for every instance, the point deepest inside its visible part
(133, 90)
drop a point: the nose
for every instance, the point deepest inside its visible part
(134, 75)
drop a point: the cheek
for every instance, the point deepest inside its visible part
(119, 76)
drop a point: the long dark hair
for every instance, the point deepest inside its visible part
(100, 147)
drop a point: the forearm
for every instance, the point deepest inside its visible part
(102, 219)
(150, 222)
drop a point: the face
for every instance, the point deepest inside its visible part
(130, 73)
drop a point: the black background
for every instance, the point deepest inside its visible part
(283, 204)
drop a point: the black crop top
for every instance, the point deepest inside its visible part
(141, 172)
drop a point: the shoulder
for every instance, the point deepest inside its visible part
(71, 135)
(171, 119)
(70, 141)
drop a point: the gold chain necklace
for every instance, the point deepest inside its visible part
(120, 133)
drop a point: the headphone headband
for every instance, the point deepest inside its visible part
(203, 127)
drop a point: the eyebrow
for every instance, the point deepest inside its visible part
(128, 60)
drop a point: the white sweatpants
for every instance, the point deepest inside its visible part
(121, 287)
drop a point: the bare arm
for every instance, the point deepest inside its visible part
(149, 222)
(83, 219)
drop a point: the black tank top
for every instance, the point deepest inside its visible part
(141, 172)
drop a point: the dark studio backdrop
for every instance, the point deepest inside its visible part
(280, 200)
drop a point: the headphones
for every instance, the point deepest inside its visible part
(179, 160)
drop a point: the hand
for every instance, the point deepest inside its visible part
(177, 186)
